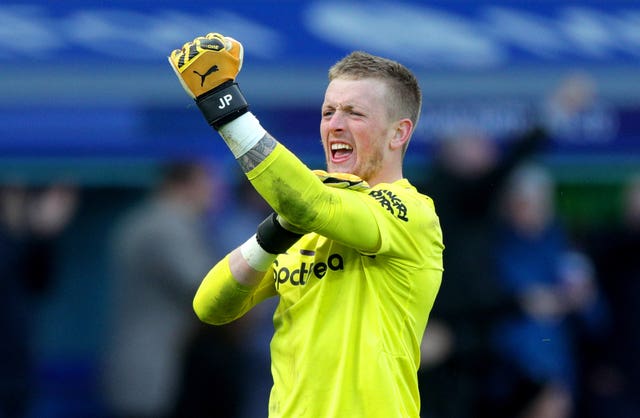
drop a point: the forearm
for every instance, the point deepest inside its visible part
(289, 187)
(222, 297)
(299, 197)
(207, 68)
(273, 183)
(243, 279)
(296, 193)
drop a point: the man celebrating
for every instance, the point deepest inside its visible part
(354, 252)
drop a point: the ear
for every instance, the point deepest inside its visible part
(401, 133)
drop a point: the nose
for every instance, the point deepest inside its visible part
(336, 122)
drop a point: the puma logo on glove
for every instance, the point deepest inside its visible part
(205, 75)
(207, 62)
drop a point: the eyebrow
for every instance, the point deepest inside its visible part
(346, 107)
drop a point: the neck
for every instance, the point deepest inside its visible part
(384, 179)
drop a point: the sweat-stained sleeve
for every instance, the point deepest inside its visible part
(296, 194)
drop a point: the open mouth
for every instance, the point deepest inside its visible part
(340, 152)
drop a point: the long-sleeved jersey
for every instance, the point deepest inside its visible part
(355, 294)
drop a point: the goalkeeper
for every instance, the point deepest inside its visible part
(354, 252)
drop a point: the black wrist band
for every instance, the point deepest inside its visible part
(273, 237)
(223, 104)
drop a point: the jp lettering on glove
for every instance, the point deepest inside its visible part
(207, 68)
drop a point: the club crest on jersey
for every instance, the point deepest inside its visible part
(301, 275)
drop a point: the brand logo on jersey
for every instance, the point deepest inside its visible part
(300, 276)
(391, 202)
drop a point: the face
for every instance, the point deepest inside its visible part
(355, 127)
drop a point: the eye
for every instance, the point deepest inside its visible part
(327, 113)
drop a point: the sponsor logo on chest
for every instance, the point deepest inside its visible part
(301, 274)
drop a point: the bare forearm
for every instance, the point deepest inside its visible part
(242, 271)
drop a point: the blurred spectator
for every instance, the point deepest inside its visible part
(464, 182)
(160, 255)
(612, 382)
(246, 341)
(256, 327)
(31, 219)
(575, 113)
(554, 285)
(576, 93)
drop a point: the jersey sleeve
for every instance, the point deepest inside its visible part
(372, 222)
(221, 299)
(297, 195)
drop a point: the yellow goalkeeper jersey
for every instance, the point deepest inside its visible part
(350, 319)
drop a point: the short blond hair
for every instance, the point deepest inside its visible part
(406, 96)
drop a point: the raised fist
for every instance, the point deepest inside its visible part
(206, 63)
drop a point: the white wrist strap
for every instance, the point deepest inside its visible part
(242, 134)
(255, 256)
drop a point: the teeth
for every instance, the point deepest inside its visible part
(338, 146)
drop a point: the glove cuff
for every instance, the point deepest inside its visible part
(273, 237)
(222, 104)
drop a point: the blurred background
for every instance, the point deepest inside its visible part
(531, 112)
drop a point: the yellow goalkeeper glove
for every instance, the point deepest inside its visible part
(207, 68)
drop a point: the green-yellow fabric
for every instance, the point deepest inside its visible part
(355, 294)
